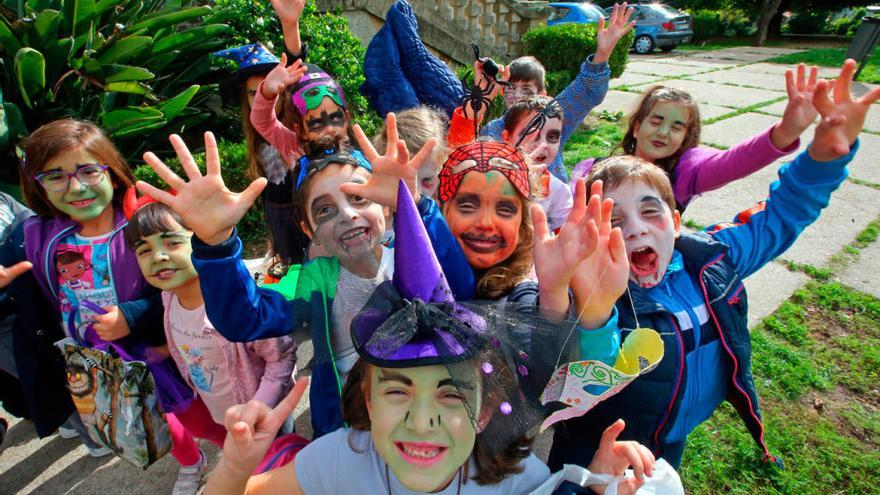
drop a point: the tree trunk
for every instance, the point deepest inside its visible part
(768, 10)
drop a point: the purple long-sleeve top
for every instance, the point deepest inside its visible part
(703, 169)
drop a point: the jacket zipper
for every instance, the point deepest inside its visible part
(677, 384)
(49, 250)
(730, 353)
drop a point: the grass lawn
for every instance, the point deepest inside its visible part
(815, 361)
(833, 57)
(594, 139)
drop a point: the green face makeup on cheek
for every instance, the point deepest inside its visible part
(81, 202)
(165, 259)
(422, 430)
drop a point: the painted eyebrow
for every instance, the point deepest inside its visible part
(388, 376)
(168, 235)
(323, 197)
(651, 199)
(468, 197)
(138, 243)
(449, 382)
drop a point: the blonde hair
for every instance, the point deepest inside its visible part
(415, 127)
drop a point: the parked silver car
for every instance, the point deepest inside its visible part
(660, 26)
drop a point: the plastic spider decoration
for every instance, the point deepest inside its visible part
(551, 110)
(477, 96)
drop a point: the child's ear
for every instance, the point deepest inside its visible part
(676, 222)
(485, 416)
(505, 136)
(306, 230)
(543, 92)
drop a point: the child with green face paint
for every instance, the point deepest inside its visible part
(73, 178)
(434, 403)
(221, 373)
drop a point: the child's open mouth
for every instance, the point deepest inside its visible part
(481, 244)
(82, 203)
(165, 273)
(643, 261)
(421, 453)
(354, 237)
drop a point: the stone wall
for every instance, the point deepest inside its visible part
(448, 26)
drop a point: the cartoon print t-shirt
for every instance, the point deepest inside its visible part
(194, 337)
(83, 270)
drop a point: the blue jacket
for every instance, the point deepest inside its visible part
(241, 311)
(586, 91)
(717, 261)
(401, 73)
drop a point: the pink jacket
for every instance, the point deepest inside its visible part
(705, 169)
(266, 122)
(258, 370)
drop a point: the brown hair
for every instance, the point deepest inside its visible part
(150, 219)
(523, 107)
(415, 127)
(527, 69)
(253, 140)
(61, 136)
(651, 97)
(616, 170)
(491, 469)
(65, 257)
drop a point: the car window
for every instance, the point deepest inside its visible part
(665, 11)
(558, 13)
(593, 12)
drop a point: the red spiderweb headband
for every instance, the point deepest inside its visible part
(483, 157)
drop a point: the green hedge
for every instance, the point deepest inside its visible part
(807, 22)
(714, 23)
(562, 49)
(233, 159)
(331, 46)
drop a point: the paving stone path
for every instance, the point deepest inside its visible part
(723, 82)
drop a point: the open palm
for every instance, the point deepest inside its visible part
(288, 10)
(204, 203)
(282, 76)
(799, 112)
(389, 169)
(617, 26)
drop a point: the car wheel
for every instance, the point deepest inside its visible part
(643, 44)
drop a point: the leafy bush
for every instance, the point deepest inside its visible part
(565, 46)
(847, 25)
(714, 23)
(807, 22)
(233, 157)
(131, 66)
(331, 46)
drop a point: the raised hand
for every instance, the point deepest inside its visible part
(608, 36)
(557, 258)
(282, 76)
(390, 168)
(288, 11)
(204, 203)
(252, 427)
(601, 279)
(615, 457)
(842, 116)
(7, 275)
(483, 81)
(799, 112)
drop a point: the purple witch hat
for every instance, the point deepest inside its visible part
(414, 320)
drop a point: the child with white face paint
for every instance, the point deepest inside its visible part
(688, 287)
(534, 125)
(323, 294)
(664, 129)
